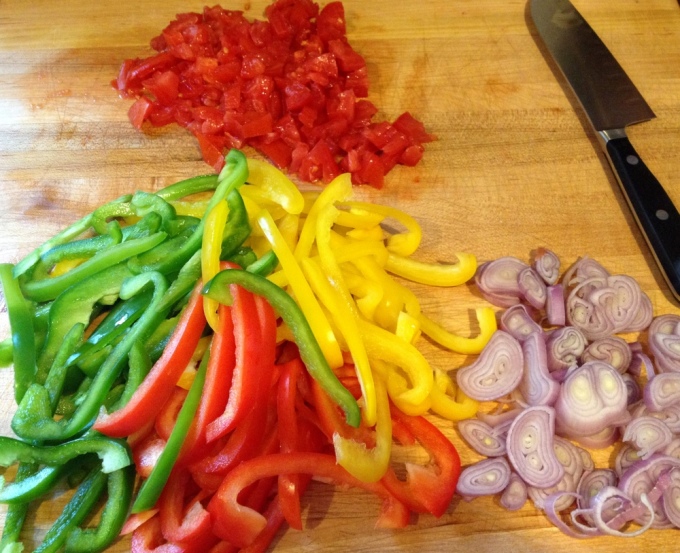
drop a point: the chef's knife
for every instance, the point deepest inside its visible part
(611, 102)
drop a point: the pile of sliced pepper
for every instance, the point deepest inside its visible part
(231, 338)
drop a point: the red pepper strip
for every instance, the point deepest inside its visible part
(166, 419)
(148, 538)
(216, 388)
(146, 453)
(267, 319)
(426, 489)
(135, 520)
(289, 484)
(243, 443)
(159, 384)
(244, 524)
(139, 435)
(244, 383)
(186, 525)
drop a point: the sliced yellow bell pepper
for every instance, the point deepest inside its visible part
(397, 384)
(65, 266)
(404, 243)
(192, 209)
(448, 400)
(303, 293)
(433, 274)
(383, 345)
(275, 186)
(359, 219)
(211, 249)
(369, 465)
(486, 318)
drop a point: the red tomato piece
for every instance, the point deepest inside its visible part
(331, 22)
(139, 111)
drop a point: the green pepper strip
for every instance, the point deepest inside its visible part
(120, 486)
(88, 247)
(310, 352)
(139, 366)
(16, 515)
(21, 323)
(74, 306)
(194, 185)
(76, 511)
(68, 234)
(265, 265)
(114, 454)
(144, 203)
(233, 175)
(153, 486)
(33, 421)
(120, 207)
(54, 383)
(237, 229)
(118, 320)
(34, 486)
(50, 288)
(6, 354)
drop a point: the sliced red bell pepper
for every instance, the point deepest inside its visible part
(289, 484)
(426, 489)
(167, 417)
(186, 524)
(159, 384)
(244, 524)
(243, 393)
(216, 388)
(148, 538)
(146, 453)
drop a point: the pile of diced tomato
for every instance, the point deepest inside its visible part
(291, 86)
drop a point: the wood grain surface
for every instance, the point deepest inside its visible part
(515, 167)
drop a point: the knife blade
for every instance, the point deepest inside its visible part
(612, 102)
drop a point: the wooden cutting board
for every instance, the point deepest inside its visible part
(515, 168)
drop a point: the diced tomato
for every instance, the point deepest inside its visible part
(139, 111)
(213, 71)
(331, 22)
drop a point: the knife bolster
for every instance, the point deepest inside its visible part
(611, 134)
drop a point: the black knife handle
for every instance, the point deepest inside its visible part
(654, 211)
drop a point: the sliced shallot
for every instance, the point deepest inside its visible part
(565, 347)
(498, 282)
(532, 287)
(484, 439)
(662, 391)
(671, 498)
(486, 477)
(496, 372)
(555, 308)
(531, 447)
(612, 350)
(547, 265)
(592, 397)
(648, 435)
(517, 322)
(537, 386)
(515, 494)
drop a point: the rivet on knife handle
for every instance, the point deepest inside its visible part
(654, 211)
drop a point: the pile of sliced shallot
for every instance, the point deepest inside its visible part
(564, 382)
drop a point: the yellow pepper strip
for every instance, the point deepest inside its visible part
(408, 328)
(211, 249)
(404, 243)
(367, 293)
(303, 293)
(486, 318)
(289, 225)
(449, 401)
(337, 190)
(192, 209)
(346, 249)
(359, 219)
(275, 186)
(397, 384)
(255, 200)
(382, 344)
(373, 234)
(368, 465)
(433, 274)
(339, 304)
(65, 266)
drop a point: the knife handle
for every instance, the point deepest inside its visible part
(654, 211)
